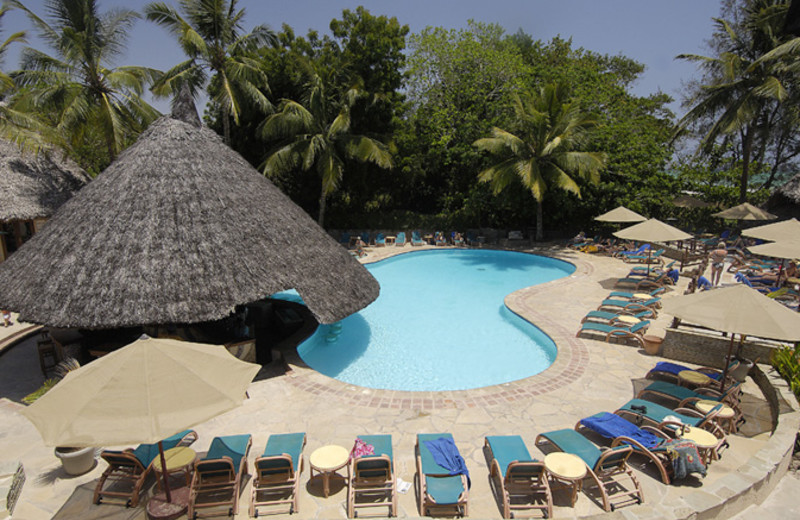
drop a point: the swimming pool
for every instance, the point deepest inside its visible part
(440, 324)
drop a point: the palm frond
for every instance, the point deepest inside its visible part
(285, 158)
(366, 149)
(291, 119)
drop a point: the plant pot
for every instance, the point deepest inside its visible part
(652, 344)
(740, 373)
(76, 461)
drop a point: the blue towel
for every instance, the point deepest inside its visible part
(612, 426)
(703, 283)
(673, 275)
(446, 455)
(675, 369)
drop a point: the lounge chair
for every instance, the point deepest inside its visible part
(218, 476)
(612, 318)
(440, 489)
(634, 252)
(372, 477)
(648, 441)
(639, 412)
(439, 239)
(652, 258)
(457, 239)
(641, 270)
(521, 480)
(646, 283)
(416, 239)
(400, 239)
(380, 240)
(670, 371)
(617, 330)
(344, 239)
(684, 397)
(129, 468)
(634, 296)
(629, 306)
(277, 472)
(365, 238)
(602, 466)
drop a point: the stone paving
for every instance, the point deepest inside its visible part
(588, 376)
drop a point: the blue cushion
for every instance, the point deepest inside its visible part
(288, 443)
(147, 452)
(506, 449)
(233, 446)
(573, 442)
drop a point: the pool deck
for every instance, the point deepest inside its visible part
(588, 376)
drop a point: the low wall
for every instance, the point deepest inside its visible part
(710, 350)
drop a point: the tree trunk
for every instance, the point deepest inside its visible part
(539, 224)
(226, 125)
(321, 217)
(747, 145)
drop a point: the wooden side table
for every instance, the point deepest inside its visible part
(725, 417)
(694, 378)
(326, 461)
(706, 442)
(566, 469)
(627, 319)
(178, 459)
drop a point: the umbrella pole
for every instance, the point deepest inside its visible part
(649, 250)
(727, 364)
(164, 472)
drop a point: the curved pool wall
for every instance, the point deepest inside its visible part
(440, 324)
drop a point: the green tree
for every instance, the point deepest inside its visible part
(319, 134)
(76, 90)
(210, 34)
(740, 100)
(546, 150)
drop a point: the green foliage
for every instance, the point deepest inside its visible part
(46, 386)
(786, 361)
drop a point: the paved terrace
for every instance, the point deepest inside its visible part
(588, 376)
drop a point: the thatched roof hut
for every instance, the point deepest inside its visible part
(34, 186)
(785, 201)
(179, 229)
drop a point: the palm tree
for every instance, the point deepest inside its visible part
(546, 150)
(75, 90)
(744, 91)
(6, 83)
(209, 33)
(318, 134)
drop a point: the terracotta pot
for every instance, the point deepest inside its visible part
(76, 461)
(652, 344)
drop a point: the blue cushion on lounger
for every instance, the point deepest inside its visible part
(507, 449)
(233, 446)
(573, 442)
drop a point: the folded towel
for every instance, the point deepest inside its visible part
(446, 455)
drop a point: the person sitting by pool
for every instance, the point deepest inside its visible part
(439, 239)
(360, 245)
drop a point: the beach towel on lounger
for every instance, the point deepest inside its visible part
(446, 455)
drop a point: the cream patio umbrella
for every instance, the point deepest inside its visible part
(781, 249)
(620, 214)
(736, 309)
(783, 230)
(652, 230)
(141, 393)
(745, 211)
(689, 201)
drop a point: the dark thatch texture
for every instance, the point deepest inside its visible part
(785, 201)
(34, 186)
(179, 229)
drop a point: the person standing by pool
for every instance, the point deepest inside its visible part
(717, 259)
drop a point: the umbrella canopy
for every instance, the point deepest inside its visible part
(781, 249)
(689, 201)
(620, 214)
(652, 230)
(34, 186)
(783, 230)
(737, 309)
(179, 229)
(745, 211)
(141, 393)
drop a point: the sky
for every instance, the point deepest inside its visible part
(651, 32)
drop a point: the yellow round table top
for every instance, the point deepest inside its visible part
(793, 280)
(705, 406)
(565, 465)
(329, 457)
(624, 318)
(694, 377)
(702, 438)
(642, 296)
(175, 458)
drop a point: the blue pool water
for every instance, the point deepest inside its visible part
(440, 324)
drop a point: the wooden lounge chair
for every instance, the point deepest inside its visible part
(653, 258)
(521, 481)
(629, 306)
(603, 467)
(611, 318)
(646, 283)
(127, 470)
(439, 490)
(218, 476)
(371, 477)
(380, 240)
(684, 397)
(416, 239)
(669, 371)
(400, 239)
(627, 295)
(617, 330)
(277, 472)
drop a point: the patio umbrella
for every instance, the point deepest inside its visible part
(783, 230)
(782, 249)
(652, 230)
(688, 201)
(179, 229)
(745, 211)
(141, 393)
(737, 309)
(620, 214)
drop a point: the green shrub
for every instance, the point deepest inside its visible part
(786, 361)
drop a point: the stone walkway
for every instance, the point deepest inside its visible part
(589, 376)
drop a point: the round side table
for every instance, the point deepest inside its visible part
(567, 469)
(177, 459)
(725, 417)
(706, 442)
(625, 318)
(326, 461)
(694, 378)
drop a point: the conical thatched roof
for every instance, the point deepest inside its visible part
(34, 186)
(785, 201)
(179, 229)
